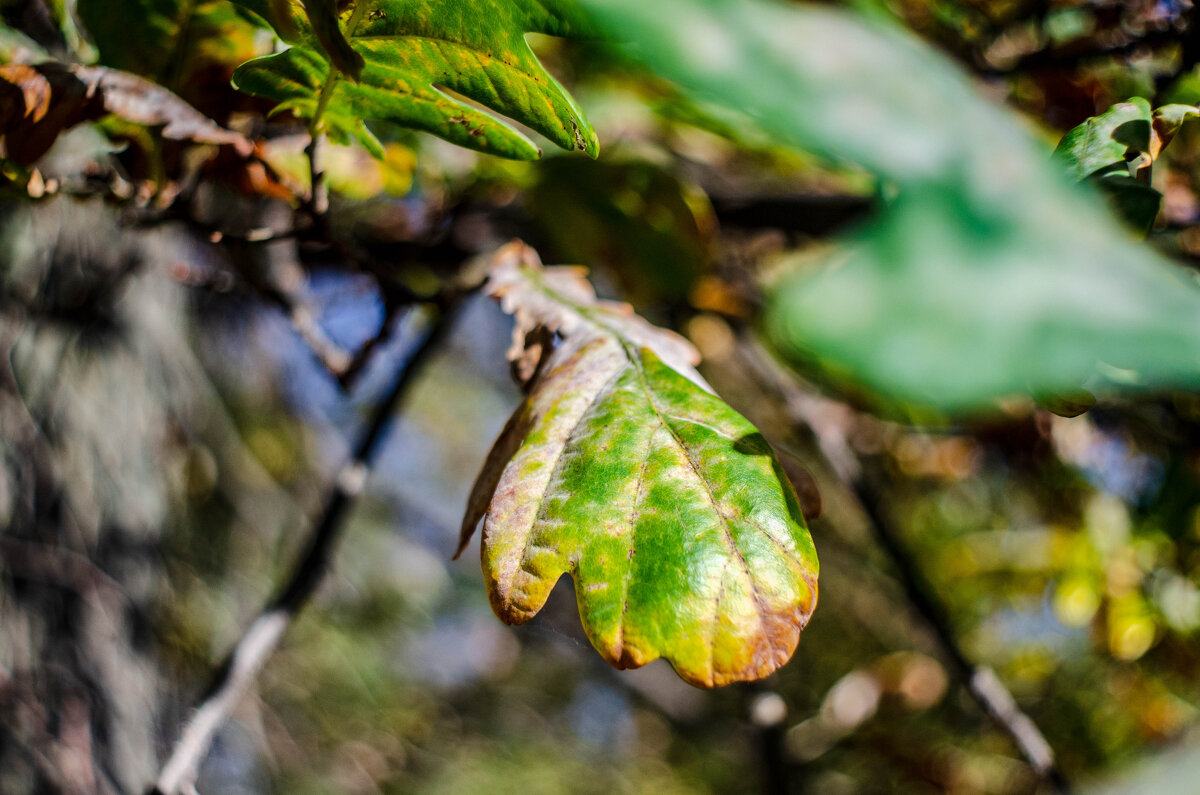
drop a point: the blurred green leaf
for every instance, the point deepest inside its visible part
(416, 54)
(635, 217)
(167, 40)
(988, 275)
(668, 508)
(1131, 199)
(953, 315)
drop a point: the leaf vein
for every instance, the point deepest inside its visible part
(728, 536)
(637, 499)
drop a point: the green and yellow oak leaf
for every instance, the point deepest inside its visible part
(621, 467)
(418, 55)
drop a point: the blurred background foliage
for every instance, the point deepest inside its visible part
(165, 430)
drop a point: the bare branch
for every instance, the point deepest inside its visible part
(819, 416)
(256, 646)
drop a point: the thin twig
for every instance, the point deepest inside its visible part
(251, 653)
(366, 352)
(333, 357)
(259, 236)
(344, 365)
(980, 681)
(318, 200)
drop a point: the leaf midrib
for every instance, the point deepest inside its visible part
(730, 541)
(331, 80)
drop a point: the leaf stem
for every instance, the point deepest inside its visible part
(317, 200)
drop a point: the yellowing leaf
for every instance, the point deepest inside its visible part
(39, 102)
(668, 508)
(142, 102)
(1166, 121)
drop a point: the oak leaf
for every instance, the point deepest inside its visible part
(419, 56)
(622, 468)
(38, 102)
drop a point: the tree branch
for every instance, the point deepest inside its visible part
(335, 359)
(251, 653)
(981, 682)
(819, 417)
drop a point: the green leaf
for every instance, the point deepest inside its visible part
(952, 315)
(1115, 137)
(668, 508)
(1117, 150)
(636, 218)
(1133, 200)
(167, 40)
(418, 54)
(987, 275)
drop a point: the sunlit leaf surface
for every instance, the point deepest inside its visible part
(418, 55)
(668, 508)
